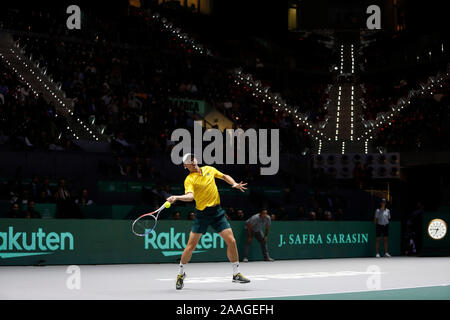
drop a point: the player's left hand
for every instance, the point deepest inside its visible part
(171, 199)
(240, 186)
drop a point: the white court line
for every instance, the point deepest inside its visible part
(278, 276)
(338, 292)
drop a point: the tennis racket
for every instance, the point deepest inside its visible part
(146, 223)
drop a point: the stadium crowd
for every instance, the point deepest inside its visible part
(27, 121)
(423, 126)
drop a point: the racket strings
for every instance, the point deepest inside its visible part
(146, 223)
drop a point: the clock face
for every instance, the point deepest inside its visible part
(437, 229)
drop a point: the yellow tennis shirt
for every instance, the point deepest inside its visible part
(203, 187)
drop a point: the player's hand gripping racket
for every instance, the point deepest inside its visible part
(146, 223)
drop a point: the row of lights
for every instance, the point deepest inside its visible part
(351, 113)
(353, 59)
(337, 113)
(352, 95)
(19, 75)
(29, 85)
(382, 118)
(55, 95)
(339, 95)
(183, 37)
(277, 103)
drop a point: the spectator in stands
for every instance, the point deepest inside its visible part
(83, 199)
(121, 145)
(287, 196)
(15, 211)
(273, 217)
(258, 226)
(30, 212)
(176, 215)
(320, 214)
(329, 201)
(328, 216)
(25, 197)
(312, 215)
(339, 215)
(15, 190)
(147, 168)
(34, 187)
(118, 168)
(64, 201)
(230, 212)
(191, 215)
(158, 194)
(314, 201)
(43, 198)
(282, 214)
(239, 215)
(46, 188)
(301, 215)
(166, 192)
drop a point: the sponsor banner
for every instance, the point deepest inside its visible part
(52, 241)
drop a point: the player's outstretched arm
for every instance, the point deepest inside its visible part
(188, 197)
(241, 185)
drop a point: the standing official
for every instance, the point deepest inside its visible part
(258, 226)
(382, 217)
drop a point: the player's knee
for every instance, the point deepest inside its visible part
(231, 242)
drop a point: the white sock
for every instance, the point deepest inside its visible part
(181, 269)
(235, 268)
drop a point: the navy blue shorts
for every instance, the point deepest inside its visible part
(382, 230)
(210, 216)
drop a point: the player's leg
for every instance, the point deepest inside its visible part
(194, 238)
(232, 251)
(233, 255)
(186, 257)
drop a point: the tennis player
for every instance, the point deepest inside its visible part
(200, 186)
